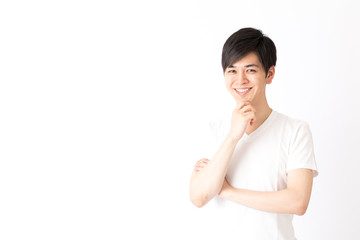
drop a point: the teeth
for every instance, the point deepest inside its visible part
(242, 90)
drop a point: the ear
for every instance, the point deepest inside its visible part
(270, 75)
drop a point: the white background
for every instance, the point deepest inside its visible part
(100, 103)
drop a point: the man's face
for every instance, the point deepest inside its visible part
(246, 80)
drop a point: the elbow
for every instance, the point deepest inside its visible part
(298, 203)
(300, 209)
(199, 196)
(198, 201)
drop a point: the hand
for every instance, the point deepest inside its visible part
(201, 164)
(243, 115)
(226, 188)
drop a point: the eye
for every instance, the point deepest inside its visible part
(231, 71)
(250, 70)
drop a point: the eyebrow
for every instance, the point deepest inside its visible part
(252, 65)
(246, 66)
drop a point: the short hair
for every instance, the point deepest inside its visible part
(245, 41)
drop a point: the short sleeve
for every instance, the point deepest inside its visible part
(301, 150)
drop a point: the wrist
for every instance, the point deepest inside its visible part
(234, 137)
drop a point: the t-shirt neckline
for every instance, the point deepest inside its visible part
(261, 127)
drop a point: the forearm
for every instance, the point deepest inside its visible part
(284, 201)
(207, 183)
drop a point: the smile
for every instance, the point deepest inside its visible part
(242, 91)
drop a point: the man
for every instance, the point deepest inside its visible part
(264, 161)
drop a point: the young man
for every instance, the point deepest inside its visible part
(264, 164)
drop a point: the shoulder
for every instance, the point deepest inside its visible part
(291, 129)
(290, 123)
(296, 133)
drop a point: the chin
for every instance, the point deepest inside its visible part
(244, 99)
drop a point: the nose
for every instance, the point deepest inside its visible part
(241, 78)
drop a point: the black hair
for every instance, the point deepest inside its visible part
(245, 41)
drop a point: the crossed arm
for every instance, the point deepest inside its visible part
(208, 176)
(208, 180)
(294, 199)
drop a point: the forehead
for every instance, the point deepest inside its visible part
(250, 59)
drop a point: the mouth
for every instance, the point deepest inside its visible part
(242, 91)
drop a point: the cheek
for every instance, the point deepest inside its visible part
(228, 82)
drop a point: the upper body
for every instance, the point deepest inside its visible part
(261, 161)
(249, 60)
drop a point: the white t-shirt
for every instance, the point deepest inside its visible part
(260, 162)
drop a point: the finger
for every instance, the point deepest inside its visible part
(250, 115)
(201, 165)
(251, 122)
(248, 108)
(240, 105)
(202, 160)
(198, 168)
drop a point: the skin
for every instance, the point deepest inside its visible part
(209, 177)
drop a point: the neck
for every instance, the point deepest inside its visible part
(262, 113)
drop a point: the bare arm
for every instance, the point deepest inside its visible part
(294, 199)
(207, 183)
